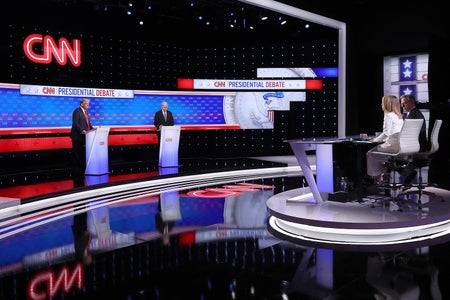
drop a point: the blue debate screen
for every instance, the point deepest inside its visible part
(22, 111)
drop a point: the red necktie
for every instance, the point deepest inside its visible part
(87, 120)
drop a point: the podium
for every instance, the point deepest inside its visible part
(97, 151)
(97, 171)
(168, 146)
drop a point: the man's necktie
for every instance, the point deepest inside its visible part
(87, 120)
(165, 115)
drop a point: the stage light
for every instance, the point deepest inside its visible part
(282, 22)
(263, 18)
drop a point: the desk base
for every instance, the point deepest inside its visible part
(359, 226)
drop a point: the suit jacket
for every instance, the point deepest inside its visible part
(78, 125)
(159, 119)
(415, 113)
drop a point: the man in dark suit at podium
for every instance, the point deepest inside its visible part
(163, 117)
(80, 125)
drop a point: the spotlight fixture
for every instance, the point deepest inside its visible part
(263, 18)
(282, 22)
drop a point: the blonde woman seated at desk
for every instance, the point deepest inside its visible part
(392, 125)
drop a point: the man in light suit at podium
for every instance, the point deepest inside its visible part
(80, 125)
(163, 117)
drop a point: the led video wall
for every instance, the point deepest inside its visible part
(33, 106)
(68, 55)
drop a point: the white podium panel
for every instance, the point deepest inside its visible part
(97, 151)
(98, 219)
(168, 146)
(170, 206)
(96, 179)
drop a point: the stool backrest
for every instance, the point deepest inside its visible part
(409, 136)
(434, 138)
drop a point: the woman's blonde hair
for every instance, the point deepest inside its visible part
(391, 103)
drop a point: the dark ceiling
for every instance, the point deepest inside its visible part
(379, 26)
(172, 19)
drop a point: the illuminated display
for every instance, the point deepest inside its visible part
(407, 74)
(34, 106)
(31, 111)
(60, 52)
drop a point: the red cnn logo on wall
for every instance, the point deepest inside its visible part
(61, 51)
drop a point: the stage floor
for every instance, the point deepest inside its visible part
(221, 243)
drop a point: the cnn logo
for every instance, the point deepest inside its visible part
(61, 51)
(46, 285)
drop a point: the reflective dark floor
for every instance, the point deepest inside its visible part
(207, 242)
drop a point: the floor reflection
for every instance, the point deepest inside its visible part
(205, 243)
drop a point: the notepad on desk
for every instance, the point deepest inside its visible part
(303, 198)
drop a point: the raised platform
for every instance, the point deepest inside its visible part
(373, 224)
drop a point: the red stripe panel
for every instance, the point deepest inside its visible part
(64, 142)
(185, 83)
(313, 84)
(66, 130)
(210, 127)
(37, 143)
(33, 131)
(132, 139)
(132, 129)
(25, 191)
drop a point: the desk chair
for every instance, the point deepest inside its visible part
(423, 159)
(409, 145)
